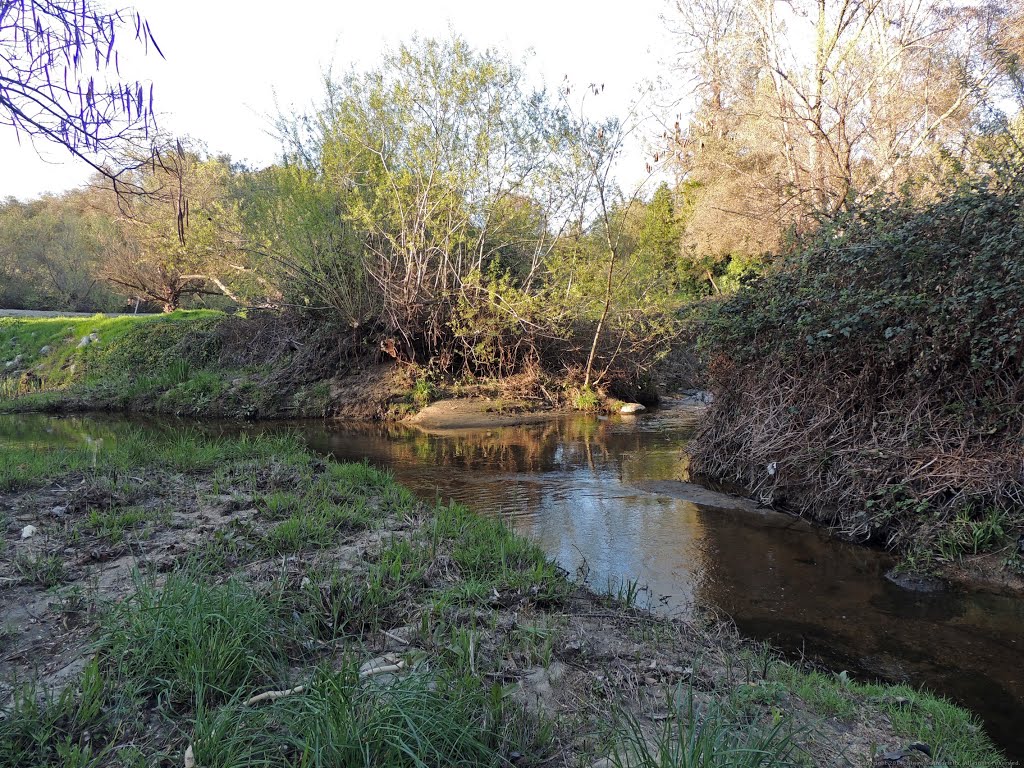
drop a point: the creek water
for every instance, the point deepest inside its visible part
(603, 497)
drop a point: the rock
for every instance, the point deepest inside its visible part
(45, 350)
(920, 746)
(85, 341)
(536, 691)
(916, 582)
(28, 531)
(632, 408)
(14, 362)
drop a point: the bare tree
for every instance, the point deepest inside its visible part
(54, 56)
(806, 105)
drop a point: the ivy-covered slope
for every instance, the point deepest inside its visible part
(875, 379)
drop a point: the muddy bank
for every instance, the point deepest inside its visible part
(338, 574)
(479, 413)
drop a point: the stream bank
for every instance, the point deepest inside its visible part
(151, 550)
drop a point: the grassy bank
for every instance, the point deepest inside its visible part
(183, 363)
(241, 602)
(205, 363)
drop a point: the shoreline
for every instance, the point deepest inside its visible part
(368, 577)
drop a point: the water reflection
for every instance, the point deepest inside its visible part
(590, 493)
(597, 495)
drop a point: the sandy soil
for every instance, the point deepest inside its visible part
(455, 415)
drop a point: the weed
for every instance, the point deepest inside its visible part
(702, 739)
(44, 568)
(71, 729)
(585, 399)
(970, 533)
(113, 524)
(191, 634)
(423, 392)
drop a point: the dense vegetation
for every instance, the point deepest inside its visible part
(875, 379)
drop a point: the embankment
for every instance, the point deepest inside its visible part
(198, 363)
(874, 382)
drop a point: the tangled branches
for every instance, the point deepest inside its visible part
(53, 51)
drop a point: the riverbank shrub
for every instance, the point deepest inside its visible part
(874, 380)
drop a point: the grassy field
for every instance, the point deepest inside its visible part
(185, 600)
(182, 363)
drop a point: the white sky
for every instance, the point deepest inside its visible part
(225, 59)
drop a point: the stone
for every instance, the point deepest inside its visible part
(632, 408)
(28, 531)
(45, 350)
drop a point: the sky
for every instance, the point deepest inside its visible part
(230, 64)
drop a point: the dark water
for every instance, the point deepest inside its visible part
(600, 496)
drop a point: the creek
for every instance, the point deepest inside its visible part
(602, 496)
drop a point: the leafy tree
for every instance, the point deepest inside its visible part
(438, 160)
(50, 253)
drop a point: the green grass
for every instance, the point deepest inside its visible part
(43, 568)
(114, 524)
(702, 738)
(188, 634)
(26, 466)
(166, 363)
(71, 729)
(954, 734)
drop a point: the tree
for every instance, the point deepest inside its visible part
(151, 259)
(616, 271)
(805, 107)
(54, 56)
(438, 161)
(51, 251)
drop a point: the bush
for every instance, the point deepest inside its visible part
(874, 378)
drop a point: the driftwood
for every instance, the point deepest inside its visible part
(364, 673)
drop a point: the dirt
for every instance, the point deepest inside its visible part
(372, 393)
(985, 573)
(479, 413)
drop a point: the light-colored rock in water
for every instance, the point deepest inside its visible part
(632, 408)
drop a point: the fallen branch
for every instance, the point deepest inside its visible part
(381, 670)
(395, 637)
(363, 674)
(272, 695)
